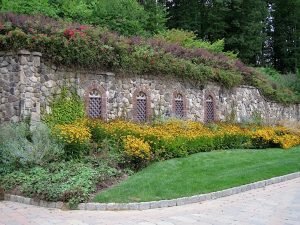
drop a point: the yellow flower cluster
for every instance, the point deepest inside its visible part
(136, 147)
(73, 133)
(173, 129)
(170, 130)
(278, 135)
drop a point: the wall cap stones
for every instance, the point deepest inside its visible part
(37, 54)
(6, 53)
(24, 52)
(155, 204)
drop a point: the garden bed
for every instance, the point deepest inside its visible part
(76, 159)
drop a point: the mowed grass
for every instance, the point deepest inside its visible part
(202, 173)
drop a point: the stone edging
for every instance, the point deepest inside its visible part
(155, 204)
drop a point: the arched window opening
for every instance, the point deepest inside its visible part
(141, 107)
(210, 110)
(179, 107)
(95, 104)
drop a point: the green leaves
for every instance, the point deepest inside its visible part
(65, 109)
(29, 7)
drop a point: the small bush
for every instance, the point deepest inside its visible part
(137, 150)
(20, 148)
(72, 182)
(75, 137)
(59, 181)
(189, 39)
(98, 134)
(65, 109)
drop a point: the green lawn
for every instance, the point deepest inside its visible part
(202, 173)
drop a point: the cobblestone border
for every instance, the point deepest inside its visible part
(155, 204)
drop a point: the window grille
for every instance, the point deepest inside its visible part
(179, 109)
(210, 111)
(141, 107)
(95, 103)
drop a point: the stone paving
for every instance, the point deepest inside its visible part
(277, 204)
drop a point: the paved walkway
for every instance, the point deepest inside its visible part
(278, 204)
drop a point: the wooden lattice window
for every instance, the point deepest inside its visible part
(141, 107)
(210, 109)
(178, 106)
(95, 104)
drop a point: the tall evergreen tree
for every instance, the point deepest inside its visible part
(286, 35)
(184, 15)
(240, 22)
(157, 15)
(245, 24)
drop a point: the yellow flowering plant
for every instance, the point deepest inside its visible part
(136, 148)
(176, 138)
(76, 138)
(73, 133)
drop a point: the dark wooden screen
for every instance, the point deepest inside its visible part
(210, 109)
(95, 105)
(179, 108)
(141, 107)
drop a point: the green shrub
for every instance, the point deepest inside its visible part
(29, 7)
(75, 150)
(189, 39)
(175, 148)
(228, 78)
(17, 150)
(72, 182)
(98, 134)
(66, 108)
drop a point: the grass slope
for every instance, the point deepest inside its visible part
(203, 173)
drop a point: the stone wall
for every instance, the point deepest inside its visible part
(28, 86)
(20, 86)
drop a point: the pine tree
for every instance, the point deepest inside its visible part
(240, 22)
(184, 15)
(157, 16)
(245, 24)
(286, 35)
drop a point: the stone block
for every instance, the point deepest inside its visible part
(13, 198)
(133, 206)
(193, 199)
(27, 201)
(52, 205)
(23, 60)
(101, 206)
(1, 194)
(144, 205)
(112, 206)
(7, 197)
(4, 63)
(19, 199)
(181, 201)
(43, 203)
(155, 204)
(34, 202)
(36, 61)
(23, 52)
(90, 206)
(167, 203)
(81, 206)
(4, 70)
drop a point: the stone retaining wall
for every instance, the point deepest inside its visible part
(20, 86)
(27, 86)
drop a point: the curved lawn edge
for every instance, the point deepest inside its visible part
(155, 204)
